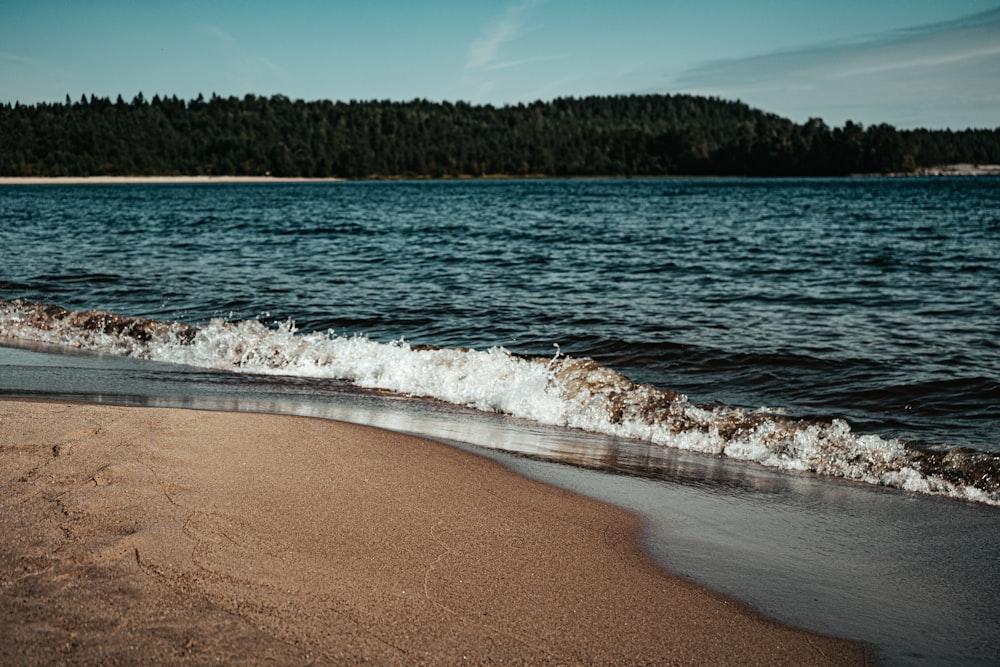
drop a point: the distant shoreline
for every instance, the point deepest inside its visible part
(111, 180)
(964, 169)
(960, 170)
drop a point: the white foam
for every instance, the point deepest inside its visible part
(563, 391)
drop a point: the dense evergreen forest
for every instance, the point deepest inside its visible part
(650, 135)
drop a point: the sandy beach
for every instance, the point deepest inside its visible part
(942, 170)
(136, 535)
(112, 180)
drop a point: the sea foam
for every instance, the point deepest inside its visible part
(560, 391)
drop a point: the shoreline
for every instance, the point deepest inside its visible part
(963, 170)
(133, 180)
(185, 535)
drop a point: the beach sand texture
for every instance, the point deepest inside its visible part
(134, 535)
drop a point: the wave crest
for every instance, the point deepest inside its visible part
(560, 391)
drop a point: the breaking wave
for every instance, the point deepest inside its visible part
(560, 391)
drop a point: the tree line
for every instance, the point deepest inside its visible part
(633, 135)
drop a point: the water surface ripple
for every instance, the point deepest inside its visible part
(877, 300)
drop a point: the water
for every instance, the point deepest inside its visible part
(871, 303)
(671, 329)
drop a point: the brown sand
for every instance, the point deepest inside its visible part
(147, 535)
(111, 180)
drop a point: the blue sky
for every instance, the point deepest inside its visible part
(911, 63)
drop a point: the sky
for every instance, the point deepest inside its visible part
(909, 63)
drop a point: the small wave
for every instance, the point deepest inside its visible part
(561, 391)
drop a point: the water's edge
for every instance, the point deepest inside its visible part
(562, 391)
(835, 557)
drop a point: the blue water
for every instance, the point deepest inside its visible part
(868, 302)
(873, 300)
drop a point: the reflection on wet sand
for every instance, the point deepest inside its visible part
(904, 572)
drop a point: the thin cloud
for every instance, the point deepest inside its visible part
(222, 37)
(19, 60)
(271, 66)
(489, 59)
(245, 64)
(508, 64)
(912, 77)
(485, 50)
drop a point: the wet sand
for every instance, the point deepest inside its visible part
(136, 535)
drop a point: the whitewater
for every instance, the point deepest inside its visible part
(560, 391)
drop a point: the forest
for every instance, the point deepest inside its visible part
(634, 135)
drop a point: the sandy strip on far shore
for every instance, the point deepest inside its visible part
(941, 170)
(112, 180)
(135, 535)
